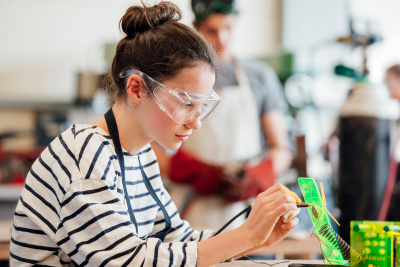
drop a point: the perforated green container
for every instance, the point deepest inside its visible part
(320, 220)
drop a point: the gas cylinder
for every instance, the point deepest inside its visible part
(365, 123)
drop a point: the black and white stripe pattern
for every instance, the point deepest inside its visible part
(73, 209)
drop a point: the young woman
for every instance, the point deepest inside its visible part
(95, 197)
(392, 80)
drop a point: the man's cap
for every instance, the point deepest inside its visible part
(202, 9)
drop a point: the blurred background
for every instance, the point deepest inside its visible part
(330, 55)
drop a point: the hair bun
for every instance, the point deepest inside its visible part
(139, 19)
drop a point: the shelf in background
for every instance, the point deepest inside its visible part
(10, 192)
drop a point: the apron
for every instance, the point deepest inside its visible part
(230, 135)
(113, 129)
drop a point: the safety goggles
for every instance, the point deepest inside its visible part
(204, 8)
(180, 105)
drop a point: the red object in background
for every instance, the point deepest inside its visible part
(389, 185)
(263, 175)
(14, 166)
(209, 179)
(18, 178)
(205, 178)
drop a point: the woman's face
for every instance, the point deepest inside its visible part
(158, 125)
(393, 84)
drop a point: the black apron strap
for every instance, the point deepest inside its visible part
(161, 235)
(113, 129)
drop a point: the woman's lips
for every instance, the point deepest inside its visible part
(183, 138)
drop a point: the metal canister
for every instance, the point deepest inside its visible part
(366, 120)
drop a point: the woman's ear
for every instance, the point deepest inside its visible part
(133, 88)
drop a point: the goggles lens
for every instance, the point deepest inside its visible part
(180, 105)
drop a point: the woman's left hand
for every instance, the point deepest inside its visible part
(283, 227)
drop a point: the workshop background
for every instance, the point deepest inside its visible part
(53, 54)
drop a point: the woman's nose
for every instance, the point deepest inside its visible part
(195, 124)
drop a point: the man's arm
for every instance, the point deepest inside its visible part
(277, 139)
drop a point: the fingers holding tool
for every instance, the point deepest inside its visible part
(289, 219)
(267, 210)
(277, 190)
(288, 215)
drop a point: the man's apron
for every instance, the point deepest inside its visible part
(231, 134)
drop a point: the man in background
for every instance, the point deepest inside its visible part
(243, 146)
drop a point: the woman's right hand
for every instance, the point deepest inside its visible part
(268, 208)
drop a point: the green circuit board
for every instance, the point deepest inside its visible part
(320, 220)
(376, 242)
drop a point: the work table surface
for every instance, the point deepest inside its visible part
(275, 263)
(293, 248)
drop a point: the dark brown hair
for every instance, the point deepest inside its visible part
(395, 69)
(157, 44)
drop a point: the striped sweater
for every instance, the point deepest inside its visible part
(73, 208)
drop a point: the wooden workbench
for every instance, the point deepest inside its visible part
(276, 263)
(286, 249)
(5, 236)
